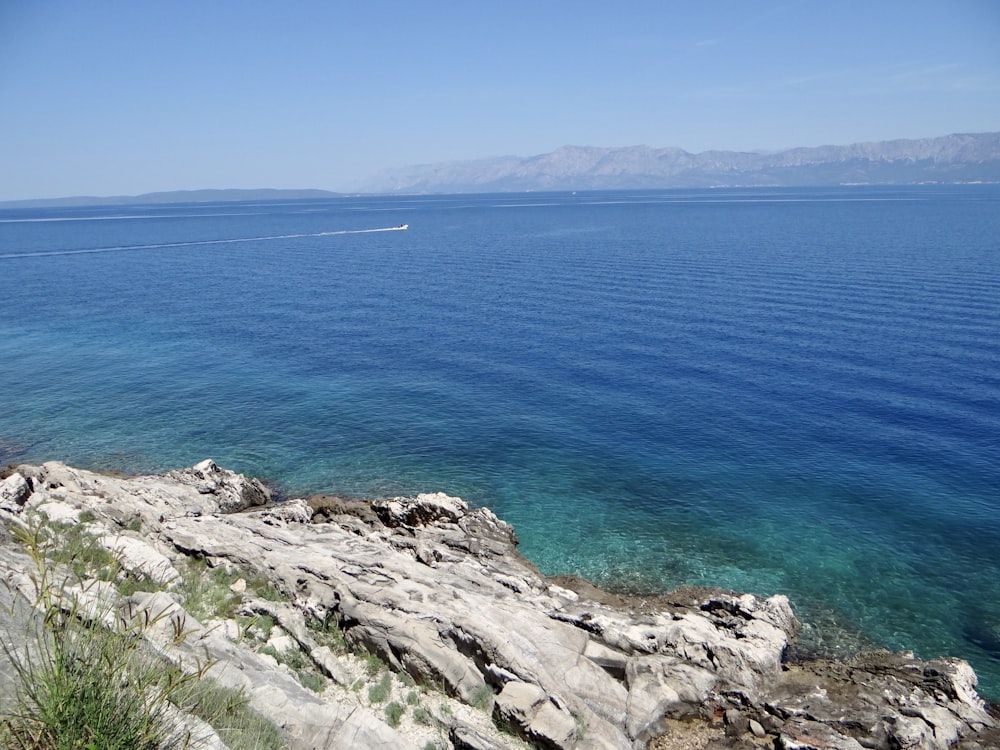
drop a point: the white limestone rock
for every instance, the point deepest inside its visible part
(59, 512)
(536, 715)
(140, 557)
(439, 591)
(14, 493)
(230, 491)
(422, 510)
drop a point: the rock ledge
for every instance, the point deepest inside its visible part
(440, 593)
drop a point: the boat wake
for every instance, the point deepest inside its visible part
(160, 245)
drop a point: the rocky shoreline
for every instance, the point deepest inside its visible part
(439, 593)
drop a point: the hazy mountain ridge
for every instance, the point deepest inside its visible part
(969, 157)
(957, 158)
(208, 195)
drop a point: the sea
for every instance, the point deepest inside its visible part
(791, 391)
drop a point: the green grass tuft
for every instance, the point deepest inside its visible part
(82, 685)
(312, 680)
(206, 592)
(228, 712)
(327, 633)
(483, 698)
(422, 716)
(373, 664)
(380, 691)
(394, 713)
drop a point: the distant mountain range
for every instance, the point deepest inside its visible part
(972, 157)
(175, 196)
(959, 158)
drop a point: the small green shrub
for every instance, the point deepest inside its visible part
(380, 691)
(262, 588)
(73, 548)
(259, 626)
(327, 633)
(373, 664)
(266, 624)
(312, 680)
(412, 698)
(130, 583)
(229, 713)
(84, 686)
(483, 698)
(80, 684)
(422, 716)
(206, 592)
(406, 679)
(295, 659)
(581, 727)
(393, 713)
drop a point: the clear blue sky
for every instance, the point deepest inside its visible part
(120, 98)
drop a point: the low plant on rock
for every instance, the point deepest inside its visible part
(422, 716)
(296, 660)
(262, 588)
(327, 632)
(85, 679)
(580, 730)
(80, 683)
(311, 680)
(394, 713)
(381, 690)
(229, 713)
(373, 664)
(483, 698)
(206, 591)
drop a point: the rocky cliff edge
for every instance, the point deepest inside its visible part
(487, 652)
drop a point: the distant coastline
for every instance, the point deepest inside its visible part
(174, 196)
(960, 158)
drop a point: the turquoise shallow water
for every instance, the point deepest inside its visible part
(790, 391)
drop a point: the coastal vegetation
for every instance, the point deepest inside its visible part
(150, 612)
(86, 676)
(89, 678)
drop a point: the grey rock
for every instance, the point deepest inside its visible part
(14, 493)
(467, 738)
(422, 510)
(813, 735)
(141, 558)
(232, 491)
(272, 691)
(439, 591)
(736, 723)
(535, 715)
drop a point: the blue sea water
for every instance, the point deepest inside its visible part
(777, 391)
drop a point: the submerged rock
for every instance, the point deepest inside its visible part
(439, 591)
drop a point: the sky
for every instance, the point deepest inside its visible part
(121, 98)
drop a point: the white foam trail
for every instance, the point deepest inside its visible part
(120, 248)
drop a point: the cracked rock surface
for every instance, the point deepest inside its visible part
(439, 591)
